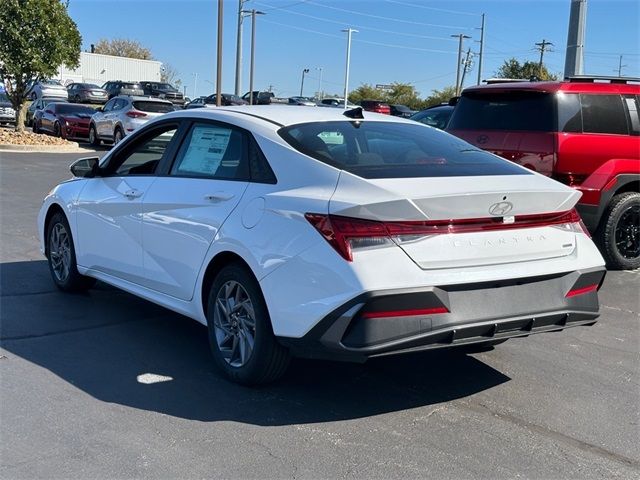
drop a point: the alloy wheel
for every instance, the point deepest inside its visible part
(234, 324)
(627, 233)
(117, 137)
(60, 252)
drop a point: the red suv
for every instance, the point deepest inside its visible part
(376, 106)
(584, 132)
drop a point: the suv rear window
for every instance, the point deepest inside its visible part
(132, 86)
(393, 150)
(153, 107)
(516, 111)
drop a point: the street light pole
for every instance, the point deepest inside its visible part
(219, 66)
(253, 14)
(306, 70)
(349, 31)
(238, 87)
(195, 83)
(460, 38)
(320, 95)
(480, 57)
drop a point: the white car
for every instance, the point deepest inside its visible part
(122, 115)
(323, 233)
(47, 89)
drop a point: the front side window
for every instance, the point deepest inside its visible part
(213, 151)
(393, 150)
(144, 155)
(603, 114)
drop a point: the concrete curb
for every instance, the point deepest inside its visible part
(73, 148)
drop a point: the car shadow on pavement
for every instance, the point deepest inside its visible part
(124, 350)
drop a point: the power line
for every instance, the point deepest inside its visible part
(271, 8)
(428, 37)
(379, 17)
(413, 5)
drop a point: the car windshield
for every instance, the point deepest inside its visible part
(70, 108)
(51, 82)
(153, 107)
(393, 150)
(515, 111)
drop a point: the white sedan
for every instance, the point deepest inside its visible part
(323, 233)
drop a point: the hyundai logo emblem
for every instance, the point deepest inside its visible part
(482, 139)
(501, 208)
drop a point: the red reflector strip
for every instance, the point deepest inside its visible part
(582, 291)
(405, 313)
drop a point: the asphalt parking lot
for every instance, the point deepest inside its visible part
(105, 385)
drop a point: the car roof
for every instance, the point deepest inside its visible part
(552, 87)
(285, 115)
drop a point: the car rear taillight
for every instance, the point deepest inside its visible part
(135, 114)
(346, 234)
(382, 109)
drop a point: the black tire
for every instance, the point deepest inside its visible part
(34, 97)
(36, 127)
(57, 130)
(117, 135)
(268, 360)
(619, 233)
(73, 281)
(93, 136)
(481, 347)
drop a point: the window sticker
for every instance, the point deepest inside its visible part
(206, 150)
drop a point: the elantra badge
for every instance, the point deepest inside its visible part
(500, 209)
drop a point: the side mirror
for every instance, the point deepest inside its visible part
(85, 167)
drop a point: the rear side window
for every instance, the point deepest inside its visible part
(393, 150)
(603, 114)
(515, 111)
(153, 107)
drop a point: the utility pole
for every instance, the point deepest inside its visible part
(573, 63)
(320, 95)
(253, 13)
(460, 38)
(466, 67)
(238, 88)
(481, 55)
(219, 66)
(349, 31)
(620, 66)
(195, 83)
(305, 70)
(542, 46)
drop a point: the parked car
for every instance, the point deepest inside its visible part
(583, 132)
(39, 104)
(163, 90)
(62, 119)
(401, 111)
(47, 89)
(323, 233)
(115, 88)
(305, 101)
(197, 103)
(335, 102)
(263, 98)
(122, 115)
(87, 93)
(7, 113)
(376, 106)
(437, 116)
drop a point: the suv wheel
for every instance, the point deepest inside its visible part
(240, 334)
(57, 130)
(117, 136)
(619, 232)
(93, 136)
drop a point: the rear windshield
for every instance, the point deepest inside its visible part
(516, 111)
(67, 108)
(393, 150)
(132, 86)
(153, 107)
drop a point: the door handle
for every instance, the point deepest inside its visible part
(218, 197)
(133, 193)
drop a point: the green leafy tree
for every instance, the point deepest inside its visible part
(512, 68)
(439, 96)
(403, 94)
(123, 47)
(36, 38)
(366, 92)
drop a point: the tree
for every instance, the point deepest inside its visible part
(439, 96)
(512, 68)
(366, 92)
(123, 47)
(403, 94)
(170, 75)
(36, 38)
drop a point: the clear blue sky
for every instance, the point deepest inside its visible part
(398, 40)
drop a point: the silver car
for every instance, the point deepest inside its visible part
(122, 115)
(47, 89)
(7, 113)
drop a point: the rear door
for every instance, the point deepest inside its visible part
(518, 125)
(185, 209)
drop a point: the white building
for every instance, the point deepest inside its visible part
(97, 68)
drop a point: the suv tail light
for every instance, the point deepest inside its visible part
(135, 114)
(346, 234)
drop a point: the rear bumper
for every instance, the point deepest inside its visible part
(474, 313)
